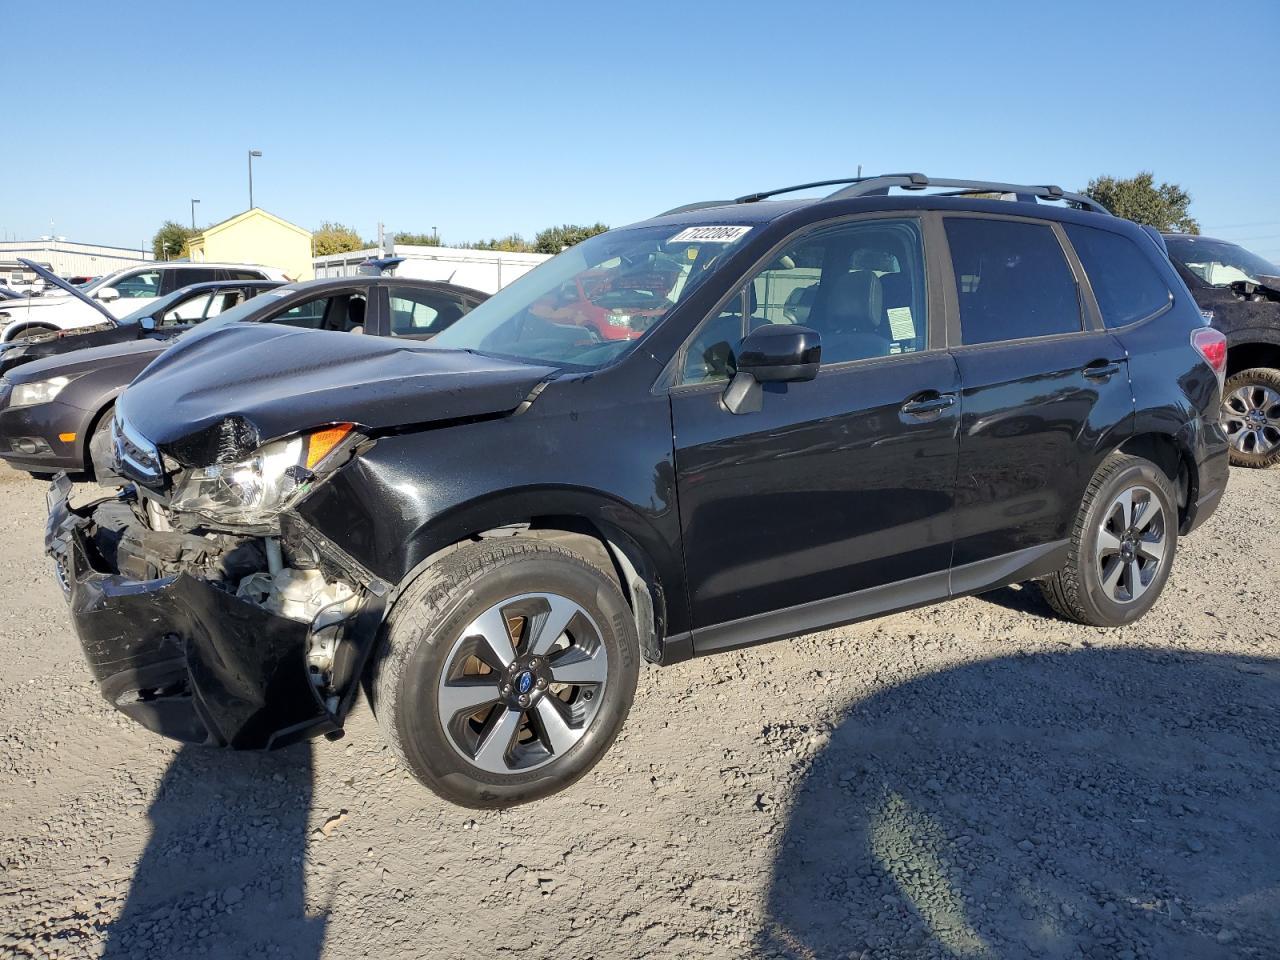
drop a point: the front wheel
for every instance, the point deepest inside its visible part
(1122, 545)
(506, 671)
(1251, 417)
(31, 331)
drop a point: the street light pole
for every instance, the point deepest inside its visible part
(252, 154)
(193, 213)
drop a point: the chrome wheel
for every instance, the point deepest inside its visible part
(1131, 544)
(1251, 418)
(522, 683)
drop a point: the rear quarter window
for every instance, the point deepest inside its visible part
(1125, 282)
(1012, 280)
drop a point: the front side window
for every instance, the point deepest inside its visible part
(1218, 263)
(593, 303)
(1012, 280)
(860, 285)
(189, 310)
(423, 313)
(139, 285)
(343, 312)
(225, 300)
(1125, 282)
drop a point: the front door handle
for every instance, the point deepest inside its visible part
(1102, 369)
(927, 406)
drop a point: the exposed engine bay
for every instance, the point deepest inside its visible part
(260, 637)
(1257, 292)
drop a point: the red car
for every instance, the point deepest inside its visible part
(611, 306)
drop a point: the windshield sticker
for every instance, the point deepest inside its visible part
(710, 235)
(900, 323)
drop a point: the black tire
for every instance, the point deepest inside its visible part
(31, 330)
(97, 451)
(1077, 591)
(421, 640)
(1254, 443)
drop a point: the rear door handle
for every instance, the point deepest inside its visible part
(1102, 369)
(927, 406)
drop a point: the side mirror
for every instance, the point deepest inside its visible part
(148, 323)
(781, 353)
(777, 353)
(107, 294)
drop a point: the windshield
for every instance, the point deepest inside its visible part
(107, 280)
(1218, 263)
(593, 303)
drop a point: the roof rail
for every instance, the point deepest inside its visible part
(700, 205)
(879, 186)
(882, 184)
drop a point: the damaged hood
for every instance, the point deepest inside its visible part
(278, 380)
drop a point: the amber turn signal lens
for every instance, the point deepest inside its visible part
(67, 437)
(321, 443)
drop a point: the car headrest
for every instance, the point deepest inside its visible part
(855, 303)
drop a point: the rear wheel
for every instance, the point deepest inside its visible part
(507, 671)
(1251, 417)
(1122, 545)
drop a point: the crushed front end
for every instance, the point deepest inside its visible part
(207, 611)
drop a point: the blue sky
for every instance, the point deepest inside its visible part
(487, 118)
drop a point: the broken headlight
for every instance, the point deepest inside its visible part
(253, 492)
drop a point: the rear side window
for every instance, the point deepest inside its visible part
(1012, 280)
(1125, 282)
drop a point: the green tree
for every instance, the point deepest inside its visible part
(170, 241)
(333, 238)
(418, 239)
(555, 239)
(512, 243)
(1140, 200)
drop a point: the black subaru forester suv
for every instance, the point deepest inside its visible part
(806, 413)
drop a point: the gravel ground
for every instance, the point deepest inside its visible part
(974, 780)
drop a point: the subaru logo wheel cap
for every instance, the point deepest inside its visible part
(524, 682)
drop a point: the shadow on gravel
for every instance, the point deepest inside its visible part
(222, 873)
(1024, 598)
(1114, 804)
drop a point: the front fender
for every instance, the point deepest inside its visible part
(412, 495)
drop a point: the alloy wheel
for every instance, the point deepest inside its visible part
(1131, 544)
(522, 683)
(1251, 418)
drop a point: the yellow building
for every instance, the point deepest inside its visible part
(256, 236)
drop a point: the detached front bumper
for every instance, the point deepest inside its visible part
(185, 657)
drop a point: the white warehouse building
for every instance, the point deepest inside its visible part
(486, 270)
(66, 258)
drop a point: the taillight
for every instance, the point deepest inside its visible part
(1212, 345)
